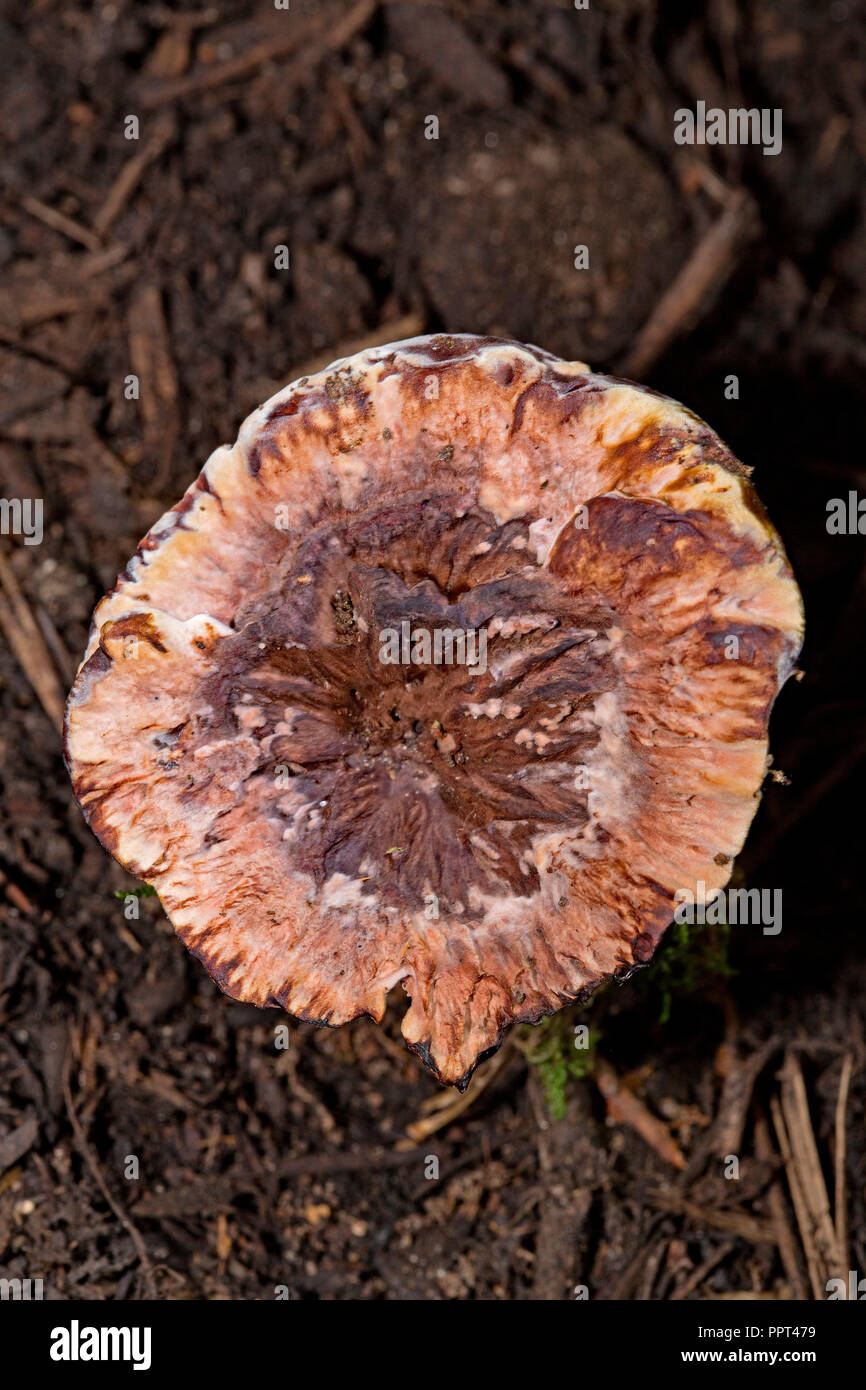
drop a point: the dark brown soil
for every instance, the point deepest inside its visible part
(262, 1168)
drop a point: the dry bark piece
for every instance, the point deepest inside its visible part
(319, 825)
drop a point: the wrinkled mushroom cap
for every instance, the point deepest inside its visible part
(320, 824)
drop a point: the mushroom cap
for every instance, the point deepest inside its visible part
(320, 822)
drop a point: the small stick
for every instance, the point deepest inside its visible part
(59, 222)
(707, 267)
(776, 1203)
(22, 633)
(150, 355)
(698, 1275)
(840, 1185)
(242, 64)
(17, 897)
(625, 1107)
(58, 306)
(797, 1198)
(359, 140)
(736, 1097)
(736, 1223)
(804, 1152)
(626, 1283)
(54, 642)
(649, 1271)
(130, 175)
(445, 1107)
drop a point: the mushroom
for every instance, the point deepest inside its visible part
(321, 822)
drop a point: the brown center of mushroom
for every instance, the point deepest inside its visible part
(422, 692)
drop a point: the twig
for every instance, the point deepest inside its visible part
(66, 666)
(59, 222)
(17, 897)
(737, 1223)
(288, 1065)
(840, 1184)
(652, 1259)
(359, 141)
(737, 1095)
(778, 1212)
(314, 37)
(22, 633)
(81, 1139)
(796, 1137)
(795, 1107)
(707, 267)
(445, 1106)
(128, 178)
(58, 306)
(150, 355)
(623, 1106)
(698, 1275)
(797, 1198)
(624, 1285)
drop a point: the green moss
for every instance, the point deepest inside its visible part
(691, 959)
(143, 890)
(551, 1049)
